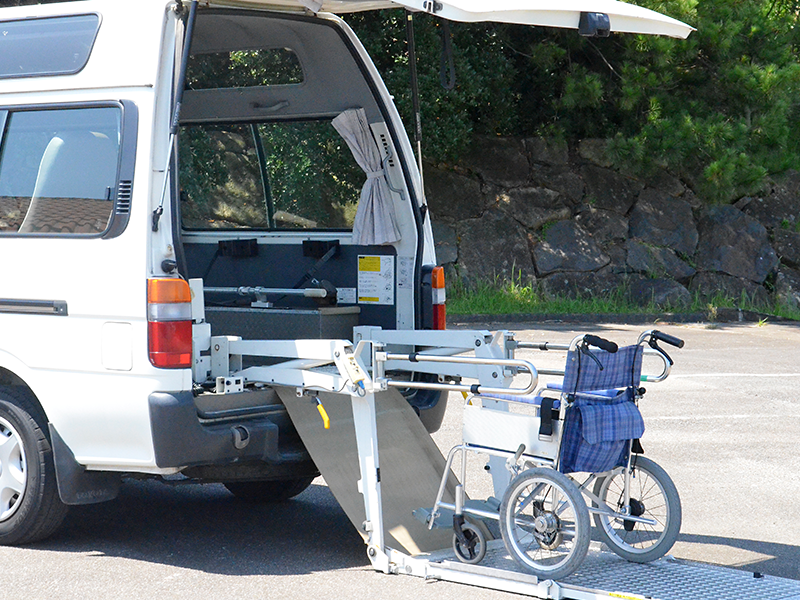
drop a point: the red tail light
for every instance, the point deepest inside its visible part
(169, 327)
(439, 298)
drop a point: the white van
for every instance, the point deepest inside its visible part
(278, 179)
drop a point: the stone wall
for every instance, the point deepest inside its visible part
(565, 219)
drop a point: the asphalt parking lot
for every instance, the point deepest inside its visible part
(725, 425)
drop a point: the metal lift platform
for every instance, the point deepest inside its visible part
(604, 575)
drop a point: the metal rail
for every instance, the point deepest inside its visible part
(464, 360)
(565, 347)
(258, 291)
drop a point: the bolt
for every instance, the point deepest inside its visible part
(494, 374)
(477, 343)
(372, 552)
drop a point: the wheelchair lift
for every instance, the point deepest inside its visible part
(365, 376)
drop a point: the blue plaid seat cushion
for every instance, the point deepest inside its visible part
(596, 433)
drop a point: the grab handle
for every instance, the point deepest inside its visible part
(601, 343)
(653, 336)
(668, 339)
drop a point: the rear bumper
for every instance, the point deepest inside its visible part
(181, 439)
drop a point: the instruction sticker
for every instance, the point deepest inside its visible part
(346, 295)
(405, 272)
(376, 279)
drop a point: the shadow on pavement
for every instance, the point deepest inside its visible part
(204, 527)
(769, 558)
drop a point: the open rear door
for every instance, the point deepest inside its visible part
(622, 17)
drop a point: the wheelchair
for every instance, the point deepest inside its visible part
(577, 453)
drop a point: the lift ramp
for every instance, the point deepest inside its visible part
(411, 464)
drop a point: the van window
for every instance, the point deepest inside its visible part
(278, 175)
(58, 170)
(51, 46)
(244, 68)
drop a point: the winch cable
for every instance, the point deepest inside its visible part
(447, 63)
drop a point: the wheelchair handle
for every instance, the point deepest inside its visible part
(667, 339)
(601, 343)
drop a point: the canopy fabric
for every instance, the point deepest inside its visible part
(624, 17)
(375, 222)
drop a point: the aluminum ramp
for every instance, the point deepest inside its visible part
(411, 464)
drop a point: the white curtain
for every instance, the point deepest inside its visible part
(375, 221)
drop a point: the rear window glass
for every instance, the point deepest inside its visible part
(51, 46)
(280, 175)
(244, 68)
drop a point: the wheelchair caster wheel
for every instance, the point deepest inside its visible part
(473, 551)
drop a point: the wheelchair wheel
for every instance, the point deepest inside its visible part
(545, 523)
(473, 552)
(653, 496)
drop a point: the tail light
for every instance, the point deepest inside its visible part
(439, 298)
(169, 323)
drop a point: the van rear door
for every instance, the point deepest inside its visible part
(621, 16)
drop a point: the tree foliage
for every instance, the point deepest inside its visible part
(721, 109)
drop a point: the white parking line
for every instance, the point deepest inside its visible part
(704, 375)
(727, 417)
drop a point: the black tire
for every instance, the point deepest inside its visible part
(655, 497)
(30, 508)
(276, 490)
(475, 550)
(545, 523)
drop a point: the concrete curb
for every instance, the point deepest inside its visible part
(720, 315)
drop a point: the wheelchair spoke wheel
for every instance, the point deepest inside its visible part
(653, 496)
(545, 523)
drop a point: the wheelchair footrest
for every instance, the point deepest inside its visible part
(476, 509)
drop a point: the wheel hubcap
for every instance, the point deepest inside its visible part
(637, 510)
(13, 470)
(546, 523)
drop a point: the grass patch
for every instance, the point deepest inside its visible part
(512, 297)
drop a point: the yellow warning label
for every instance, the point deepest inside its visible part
(369, 263)
(626, 596)
(368, 299)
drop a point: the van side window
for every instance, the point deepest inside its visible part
(282, 175)
(49, 46)
(59, 170)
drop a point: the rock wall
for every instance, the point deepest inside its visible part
(565, 219)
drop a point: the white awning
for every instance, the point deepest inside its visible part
(623, 17)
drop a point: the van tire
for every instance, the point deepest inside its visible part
(30, 507)
(274, 490)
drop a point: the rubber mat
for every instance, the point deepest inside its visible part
(411, 464)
